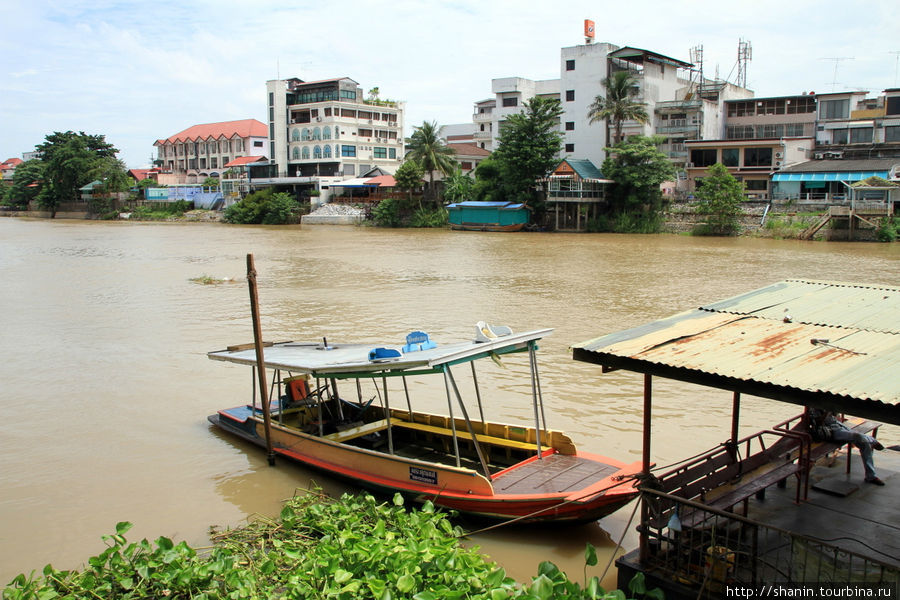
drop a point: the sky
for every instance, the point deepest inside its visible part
(140, 71)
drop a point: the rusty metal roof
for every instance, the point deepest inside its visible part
(805, 342)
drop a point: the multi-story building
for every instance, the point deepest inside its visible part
(201, 151)
(853, 126)
(328, 129)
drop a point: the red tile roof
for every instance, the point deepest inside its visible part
(469, 150)
(141, 174)
(11, 163)
(383, 181)
(226, 129)
(245, 160)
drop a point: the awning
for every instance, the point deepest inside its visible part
(356, 182)
(830, 176)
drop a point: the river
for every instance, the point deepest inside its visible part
(106, 386)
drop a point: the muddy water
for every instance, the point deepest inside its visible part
(105, 386)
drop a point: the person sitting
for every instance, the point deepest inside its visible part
(825, 427)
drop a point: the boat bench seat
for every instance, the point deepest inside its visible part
(465, 435)
(361, 430)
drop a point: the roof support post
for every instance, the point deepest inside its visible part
(644, 546)
(446, 370)
(462, 406)
(735, 416)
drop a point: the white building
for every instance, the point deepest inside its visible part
(328, 129)
(201, 151)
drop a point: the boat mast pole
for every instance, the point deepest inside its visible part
(534, 402)
(465, 413)
(260, 361)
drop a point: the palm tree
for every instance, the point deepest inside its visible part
(618, 105)
(427, 148)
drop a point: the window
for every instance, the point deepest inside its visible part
(756, 185)
(296, 153)
(570, 125)
(861, 135)
(295, 135)
(512, 101)
(392, 153)
(317, 152)
(704, 157)
(271, 98)
(465, 165)
(892, 105)
(337, 132)
(238, 145)
(380, 153)
(317, 134)
(834, 109)
(839, 136)
(304, 154)
(892, 133)
(757, 157)
(349, 169)
(304, 135)
(570, 95)
(570, 65)
(570, 147)
(739, 132)
(348, 150)
(348, 95)
(326, 153)
(258, 144)
(214, 163)
(730, 157)
(326, 133)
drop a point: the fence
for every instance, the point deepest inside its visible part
(722, 548)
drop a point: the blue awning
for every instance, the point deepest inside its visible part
(830, 176)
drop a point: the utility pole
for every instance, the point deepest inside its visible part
(896, 53)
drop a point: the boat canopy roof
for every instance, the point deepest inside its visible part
(365, 359)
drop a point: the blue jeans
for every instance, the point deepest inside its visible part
(861, 441)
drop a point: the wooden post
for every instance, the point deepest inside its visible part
(735, 416)
(643, 540)
(260, 360)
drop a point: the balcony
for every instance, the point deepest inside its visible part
(484, 117)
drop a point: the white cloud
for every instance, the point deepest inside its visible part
(140, 71)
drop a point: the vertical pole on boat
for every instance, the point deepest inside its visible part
(408, 403)
(478, 397)
(260, 361)
(444, 368)
(645, 509)
(537, 379)
(534, 402)
(735, 416)
(465, 413)
(387, 415)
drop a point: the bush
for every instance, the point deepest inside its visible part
(266, 207)
(887, 231)
(161, 211)
(425, 217)
(387, 213)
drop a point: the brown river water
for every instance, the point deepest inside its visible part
(105, 386)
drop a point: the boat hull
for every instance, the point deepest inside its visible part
(486, 227)
(455, 488)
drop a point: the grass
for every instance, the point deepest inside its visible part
(210, 280)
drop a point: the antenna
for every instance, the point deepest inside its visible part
(896, 53)
(837, 60)
(696, 57)
(745, 55)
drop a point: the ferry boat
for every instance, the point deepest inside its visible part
(488, 216)
(330, 407)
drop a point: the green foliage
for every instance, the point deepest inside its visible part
(160, 211)
(409, 176)
(387, 213)
(529, 144)
(143, 184)
(488, 183)
(887, 231)
(266, 207)
(425, 217)
(618, 105)
(458, 187)
(638, 167)
(211, 182)
(427, 148)
(21, 192)
(70, 161)
(719, 197)
(351, 548)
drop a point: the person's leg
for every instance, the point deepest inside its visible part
(864, 443)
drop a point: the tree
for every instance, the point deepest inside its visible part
(487, 186)
(27, 183)
(618, 105)
(69, 161)
(409, 177)
(265, 206)
(529, 145)
(427, 148)
(638, 167)
(458, 187)
(112, 174)
(719, 197)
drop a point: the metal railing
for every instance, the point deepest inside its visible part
(724, 549)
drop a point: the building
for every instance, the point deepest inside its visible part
(8, 168)
(468, 155)
(201, 151)
(328, 129)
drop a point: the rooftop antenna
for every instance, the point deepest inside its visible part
(745, 55)
(696, 58)
(837, 60)
(896, 53)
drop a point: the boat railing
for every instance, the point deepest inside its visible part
(724, 548)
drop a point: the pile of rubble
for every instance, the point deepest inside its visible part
(335, 214)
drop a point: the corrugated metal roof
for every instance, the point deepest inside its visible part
(797, 341)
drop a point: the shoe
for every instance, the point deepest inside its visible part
(877, 445)
(875, 480)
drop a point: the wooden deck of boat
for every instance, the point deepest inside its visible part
(553, 474)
